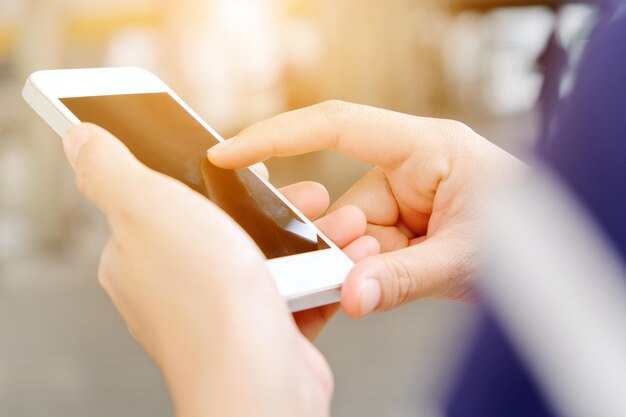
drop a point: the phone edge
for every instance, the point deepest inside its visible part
(60, 123)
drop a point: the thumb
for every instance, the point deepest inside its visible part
(435, 267)
(106, 172)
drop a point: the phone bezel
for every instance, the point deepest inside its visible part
(306, 280)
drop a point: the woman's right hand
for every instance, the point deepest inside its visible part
(421, 200)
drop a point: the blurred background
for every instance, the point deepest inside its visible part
(63, 350)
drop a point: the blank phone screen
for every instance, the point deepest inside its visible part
(165, 137)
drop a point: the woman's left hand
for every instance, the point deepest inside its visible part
(194, 290)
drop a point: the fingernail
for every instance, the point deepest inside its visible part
(369, 296)
(220, 147)
(73, 141)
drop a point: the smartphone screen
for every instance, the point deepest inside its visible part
(165, 137)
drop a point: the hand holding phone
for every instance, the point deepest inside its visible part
(193, 290)
(165, 135)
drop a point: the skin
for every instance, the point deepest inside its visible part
(210, 316)
(421, 200)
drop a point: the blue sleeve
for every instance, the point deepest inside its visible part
(493, 381)
(587, 148)
(588, 145)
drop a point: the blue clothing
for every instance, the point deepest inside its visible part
(586, 147)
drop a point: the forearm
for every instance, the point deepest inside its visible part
(244, 375)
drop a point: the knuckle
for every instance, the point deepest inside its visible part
(336, 110)
(103, 278)
(86, 165)
(82, 180)
(401, 286)
(85, 173)
(104, 275)
(107, 264)
(458, 130)
(406, 289)
(337, 114)
(335, 106)
(122, 218)
(457, 126)
(454, 138)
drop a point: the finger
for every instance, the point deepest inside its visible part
(311, 198)
(362, 248)
(312, 322)
(344, 225)
(108, 272)
(374, 195)
(108, 266)
(383, 282)
(106, 171)
(390, 238)
(381, 137)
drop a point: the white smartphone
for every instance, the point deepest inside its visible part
(167, 136)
